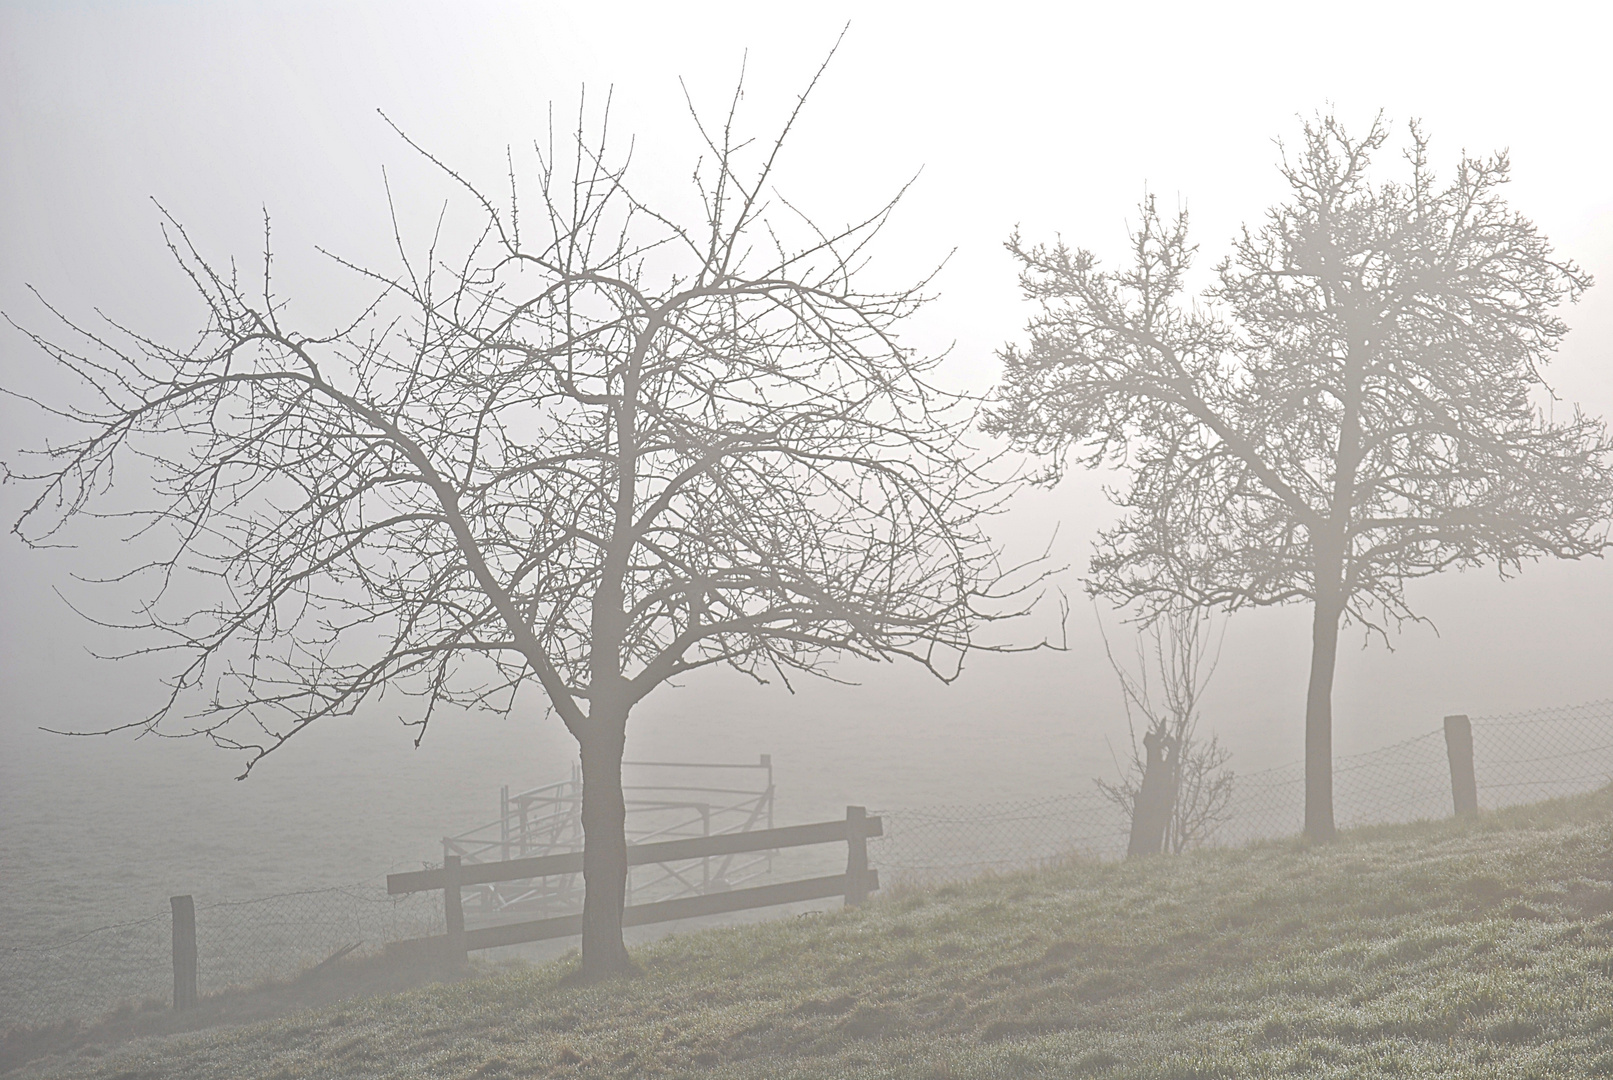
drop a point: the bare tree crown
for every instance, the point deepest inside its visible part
(600, 448)
(1356, 402)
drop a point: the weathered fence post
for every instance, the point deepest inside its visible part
(453, 914)
(1459, 747)
(184, 909)
(856, 855)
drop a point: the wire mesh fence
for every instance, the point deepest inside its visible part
(1528, 756)
(951, 843)
(1406, 781)
(238, 943)
(90, 971)
(1518, 758)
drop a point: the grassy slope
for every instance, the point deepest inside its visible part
(1482, 948)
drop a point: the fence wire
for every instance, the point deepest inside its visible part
(950, 843)
(89, 972)
(1405, 781)
(1518, 758)
(1542, 754)
(238, 943)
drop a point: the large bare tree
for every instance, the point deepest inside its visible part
(1355, 401)
(600, 448)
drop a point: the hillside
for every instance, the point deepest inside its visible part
(1478, 948)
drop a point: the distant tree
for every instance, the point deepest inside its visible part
(599, 449)
(1354, 402)
(1176, 787)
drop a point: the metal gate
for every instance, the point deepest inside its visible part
(666, 800)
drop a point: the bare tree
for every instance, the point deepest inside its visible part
(1355, 402)
(1175, 788)
(600, 449)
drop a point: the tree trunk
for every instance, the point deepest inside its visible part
(1319, 723)
(1156, 797)
(604, 858)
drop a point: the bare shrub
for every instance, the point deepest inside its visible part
(1172, 771)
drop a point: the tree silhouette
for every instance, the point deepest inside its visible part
(1354, 402)
(598, 450)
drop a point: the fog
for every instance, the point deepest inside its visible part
(1051, 119)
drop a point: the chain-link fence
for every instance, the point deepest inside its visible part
(1520, 757)
(1406, 781)
(951, 843)
(1517, 758)
(238, 943)
(241, 941)
(89, 972)
(1528, 756)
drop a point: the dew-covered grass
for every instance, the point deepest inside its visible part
(1480, 948)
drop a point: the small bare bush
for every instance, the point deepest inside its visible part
(1162, 698)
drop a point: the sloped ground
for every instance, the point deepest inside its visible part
(1481, 948)
(355, 977)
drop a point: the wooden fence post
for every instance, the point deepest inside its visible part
(453, 913)
(1459, 748)
(856, 855)
(184, 909)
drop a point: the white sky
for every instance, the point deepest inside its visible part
(1053, 117)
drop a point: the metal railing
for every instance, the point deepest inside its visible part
(664, 802)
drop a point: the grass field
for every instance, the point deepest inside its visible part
(1481, 948)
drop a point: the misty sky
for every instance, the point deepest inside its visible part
(1049, 117)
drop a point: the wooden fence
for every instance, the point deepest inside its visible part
(854, 885)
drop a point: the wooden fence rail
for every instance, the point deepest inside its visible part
(854, 885)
